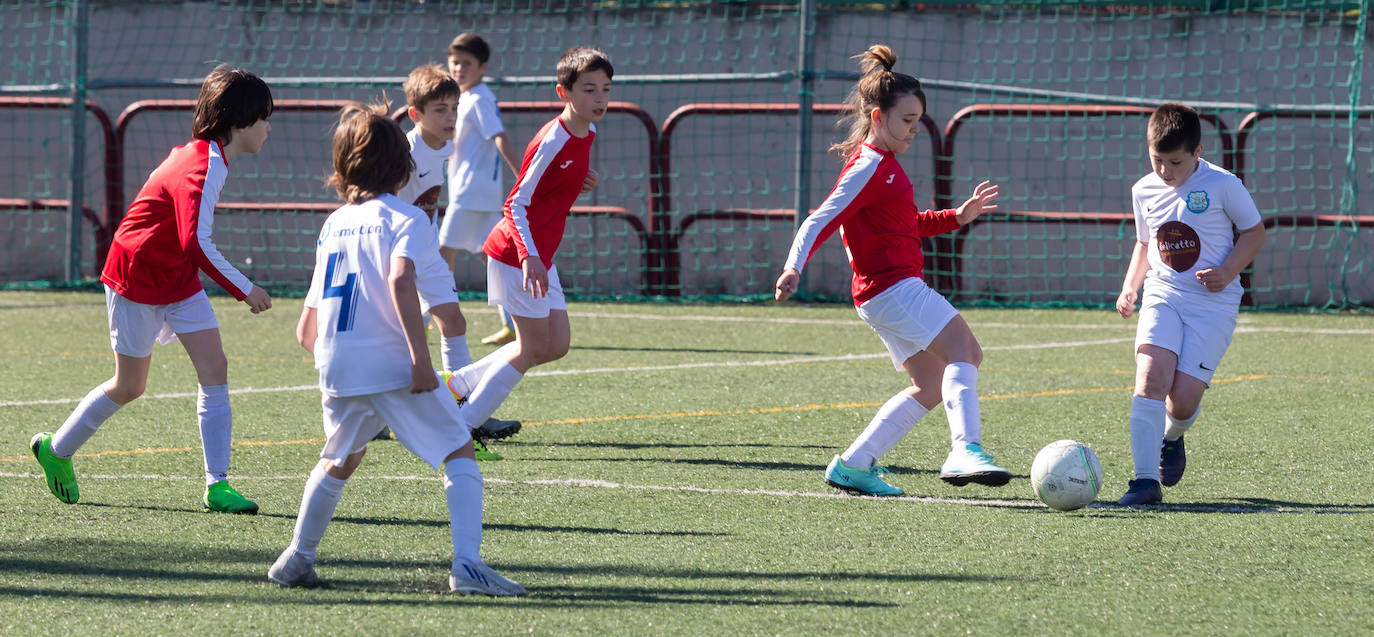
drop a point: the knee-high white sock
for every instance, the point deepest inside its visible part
(1147, 434)
(321, 496)
(465, 379)
(463, 492)
(960, 391)
(90, 413)
(1174, 429)
(892, 422)
(453, 351)
(489, 393)
(216, 429)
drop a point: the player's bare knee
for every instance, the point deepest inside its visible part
(449, 317)
(124, 393)
(465, 451)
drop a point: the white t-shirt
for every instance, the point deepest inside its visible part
(423, 188)
(1191, 227)
(360, 347)
(475, 172)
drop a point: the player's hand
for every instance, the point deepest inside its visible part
(258, 300)
(1214, 279)
(536, 277)
(1125, 304)
(786, 285)
(590, 181)
(423, 379)
(981, 201)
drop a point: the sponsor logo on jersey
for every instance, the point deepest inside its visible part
(566, 164)
(425, 174)
(1179, 245)
(891, 177)
(428, 201)
(1198, 201)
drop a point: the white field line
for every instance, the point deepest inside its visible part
(605, 370)
(773, 493)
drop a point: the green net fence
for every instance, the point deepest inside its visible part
(719, 136)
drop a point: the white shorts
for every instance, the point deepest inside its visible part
(1197, 331)
(907, 317)
(435, 285)
(134, 327)
(506, 288)
(430, 425)
(467, 229)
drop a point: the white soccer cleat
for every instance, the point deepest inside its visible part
(477, 578)
(292, 570)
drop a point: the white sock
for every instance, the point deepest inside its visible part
(1174, 429)
(216, 428)
(465, 379)
(892, 422)
(463, 492)
(493, 389)
(453, 351)
(90, 413)
(1147, 432)
(321, 496)
(960, 391)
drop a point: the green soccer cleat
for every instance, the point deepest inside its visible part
(222, 498)
(972, 464)
(58, 471)
(861, 481)
(481, 452)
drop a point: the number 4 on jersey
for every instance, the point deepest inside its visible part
(347, 291)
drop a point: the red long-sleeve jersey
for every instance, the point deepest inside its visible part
(536, 211)
(164, 239)
(873, 208)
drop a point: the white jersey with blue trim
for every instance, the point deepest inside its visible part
(1192, 227)
(360, 347)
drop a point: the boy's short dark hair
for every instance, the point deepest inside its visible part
(371, 154)
(472, 44)
(428, 83)
(582, 59)
(230, 98)
(1172, 127)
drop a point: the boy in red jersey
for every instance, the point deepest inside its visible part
(521, 276)
(153, 290)
(882, 231)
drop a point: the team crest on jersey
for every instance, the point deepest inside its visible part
(1198, 201)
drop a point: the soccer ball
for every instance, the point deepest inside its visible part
(1066, 475)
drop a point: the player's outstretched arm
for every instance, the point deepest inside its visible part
(984, 195)
(503, 146)
(1135, 277)
(786, 285)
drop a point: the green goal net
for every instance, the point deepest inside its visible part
(718, 137)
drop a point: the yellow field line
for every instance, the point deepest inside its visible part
(677, 414)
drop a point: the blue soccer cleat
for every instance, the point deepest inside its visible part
(1142, 492)
(1172, 460)
(861, 481)
(972, 464)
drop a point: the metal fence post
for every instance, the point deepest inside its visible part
(79, 14)
(807, 20)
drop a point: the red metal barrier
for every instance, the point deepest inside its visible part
(103, 230)
(953, 244)
(665, 261)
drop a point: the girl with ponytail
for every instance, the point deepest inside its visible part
(872, 203)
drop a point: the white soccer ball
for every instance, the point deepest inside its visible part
(1066, 475)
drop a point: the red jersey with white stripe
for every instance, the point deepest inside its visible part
(872, 206)
(164, 239)
(536, 211)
